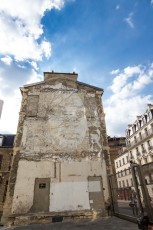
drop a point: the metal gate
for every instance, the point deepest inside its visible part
(133, 201)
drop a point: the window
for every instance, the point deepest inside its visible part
(135, 139)
(127, 159)
(140, 123)
(127, 183)
(116, 164)
(134, 128)
(146, 117)
(128, 132)
(123, 183)
(150, 115)
(140, 136)
(120, 162)
(148, 143)
(129, 143)
(131, 156)
(137, 151)
(120, 184)
(42, 185)
(123, 161)
(142, 147)
(1, 158)
(32, 106)
(143, 120)
(146, 131)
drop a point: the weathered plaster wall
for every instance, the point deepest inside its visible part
(69, 196)
(62, 136)
(69, 188)
(24, 187)
(66, 121)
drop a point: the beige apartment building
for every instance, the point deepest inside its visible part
(6, 152)
(116, 145)
(61, 154)
(123, 175)
(139, 137)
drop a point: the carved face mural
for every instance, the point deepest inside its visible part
(60, 123)
(66, 123)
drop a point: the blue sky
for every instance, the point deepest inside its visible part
(108, 43)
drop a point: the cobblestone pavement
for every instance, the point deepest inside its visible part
(108, 223)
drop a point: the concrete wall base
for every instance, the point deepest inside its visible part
(46, 218)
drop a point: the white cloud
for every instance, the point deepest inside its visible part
(127, 100)
(7, 60)
(115, 71)
(10, 94)
(121, 80)
(20, 28)
(33, 64)
(10, 112)
(34, 78)
(22, 44)
(129, 20)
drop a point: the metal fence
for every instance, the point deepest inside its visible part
(130, 202)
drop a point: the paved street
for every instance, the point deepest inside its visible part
(108, 223)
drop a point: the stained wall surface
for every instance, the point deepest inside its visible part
(61, 138)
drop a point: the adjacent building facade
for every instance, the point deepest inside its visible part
(6, 152)
(61, 153)
(123, 175)
(139, 138)
(116, 145)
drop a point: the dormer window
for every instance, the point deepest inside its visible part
(134, 128)
(128, 132)
(143, 120)
(140, 123)
(150, 115)
(146, 117)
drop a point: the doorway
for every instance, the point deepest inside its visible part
(41, 195)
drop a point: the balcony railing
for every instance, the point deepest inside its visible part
(139, 139)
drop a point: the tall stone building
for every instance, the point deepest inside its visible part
(117, 146)
(61, 154)
(6, 152)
